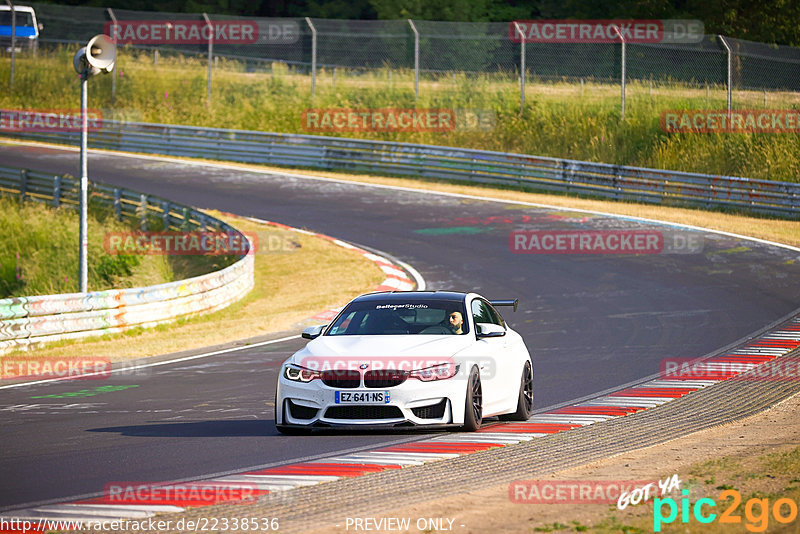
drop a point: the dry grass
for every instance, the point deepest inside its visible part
(563, 118)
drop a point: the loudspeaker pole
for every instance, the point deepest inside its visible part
(97, 56)
(84, 238)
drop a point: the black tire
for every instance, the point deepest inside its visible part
(473, 409)
(525, 399)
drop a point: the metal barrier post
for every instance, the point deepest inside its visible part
(56, 191)
(730, 70)
(210, 57)
(23, 184)
(313, 56)
(521, 68)
(143, 212)
(165, 216)
(118, 204)
(416, 60)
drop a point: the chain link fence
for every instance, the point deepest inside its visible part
(426, 54)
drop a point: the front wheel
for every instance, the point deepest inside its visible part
(525, 399)
(473, 409)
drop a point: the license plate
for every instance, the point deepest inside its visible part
(362, 397)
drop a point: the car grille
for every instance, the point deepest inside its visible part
(364, 412)
(433, 411)
(384, 378)
(341, 379)
(302, 412)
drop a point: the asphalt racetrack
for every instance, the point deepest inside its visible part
(591, 322)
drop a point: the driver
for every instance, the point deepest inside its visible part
(456, 322)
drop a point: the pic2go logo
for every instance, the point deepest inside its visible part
(756, 511)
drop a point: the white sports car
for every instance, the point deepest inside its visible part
(405, 359)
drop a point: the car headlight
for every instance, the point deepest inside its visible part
(295, 373)
(442, 371)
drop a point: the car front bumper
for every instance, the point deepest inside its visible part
(438, 402)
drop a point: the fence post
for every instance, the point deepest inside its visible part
(23, 184)
(56, 191)
(623, 75)
(114, 32)
(416, 60)
(143, 214)
(521, 68)
(13, 41)
(313, 56)
(118, 203)
(210, 56)
(730, 70)
(185, 224)
(165, 216)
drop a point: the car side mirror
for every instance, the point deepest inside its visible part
(313, 331)
(490, 330)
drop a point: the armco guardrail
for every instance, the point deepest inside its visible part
(26, 321)
(427, 161)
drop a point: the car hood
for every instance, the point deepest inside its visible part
(419, 348)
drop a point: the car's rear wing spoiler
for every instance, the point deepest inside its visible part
(508, 302)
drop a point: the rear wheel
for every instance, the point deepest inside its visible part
(473, 409)
(525, 399)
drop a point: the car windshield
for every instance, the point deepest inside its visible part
(23, 19)
(411, 316)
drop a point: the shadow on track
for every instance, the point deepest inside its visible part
(247, 428)
(196, 429)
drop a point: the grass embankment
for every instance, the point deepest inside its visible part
(296, 276)
(745, 488)
(39, 253)
(568, 120)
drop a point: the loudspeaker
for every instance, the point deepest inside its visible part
(96, 57)
(101, 53)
